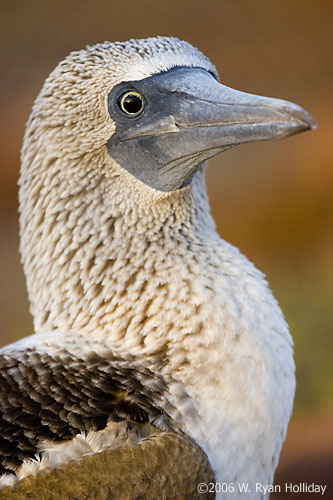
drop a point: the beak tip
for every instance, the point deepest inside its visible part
(313, 124)
(301, 116)
(308, 121)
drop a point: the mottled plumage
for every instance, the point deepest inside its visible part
(143, 313)
(53, 393)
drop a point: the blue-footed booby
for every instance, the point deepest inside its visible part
(143, 314)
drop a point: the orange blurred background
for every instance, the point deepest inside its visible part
(272, 200)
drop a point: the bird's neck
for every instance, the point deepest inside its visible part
(95, 240)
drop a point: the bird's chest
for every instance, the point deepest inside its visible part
(227, 351)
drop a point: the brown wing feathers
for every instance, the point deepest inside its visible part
(56, 397)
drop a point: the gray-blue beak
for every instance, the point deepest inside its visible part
(187, 116)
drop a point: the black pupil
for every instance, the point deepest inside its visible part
(132, 104)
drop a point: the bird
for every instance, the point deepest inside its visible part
(143, 315)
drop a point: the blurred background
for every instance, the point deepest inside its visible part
(272, 200)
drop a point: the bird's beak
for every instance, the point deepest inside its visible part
(197, 118)
(234, 117)
(210, 115)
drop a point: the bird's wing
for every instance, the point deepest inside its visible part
(54, 386)
(166, 465)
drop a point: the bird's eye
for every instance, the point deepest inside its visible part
(131, 103)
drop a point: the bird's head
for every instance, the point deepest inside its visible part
(155, 107)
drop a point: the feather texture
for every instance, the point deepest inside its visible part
(50, 393)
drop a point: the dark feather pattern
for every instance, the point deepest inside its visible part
(59, 394)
